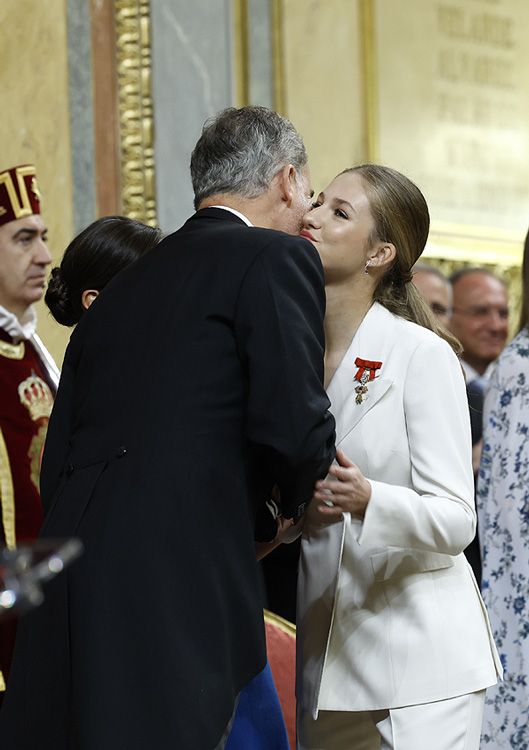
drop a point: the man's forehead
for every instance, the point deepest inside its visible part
(479, 284)
(32, 223)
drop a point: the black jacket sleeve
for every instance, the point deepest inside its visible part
(279, 329)
(57, 439)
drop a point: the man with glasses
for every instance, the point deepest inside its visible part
(480, 318)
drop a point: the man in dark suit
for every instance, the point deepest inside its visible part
(190, 389)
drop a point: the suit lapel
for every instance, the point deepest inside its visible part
(373, 340)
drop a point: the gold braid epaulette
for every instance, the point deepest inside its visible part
(12, 351)
(7, 504)
(7, 496)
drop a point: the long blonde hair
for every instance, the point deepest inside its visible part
(401, 218)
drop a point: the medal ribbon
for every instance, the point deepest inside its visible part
(366, 364)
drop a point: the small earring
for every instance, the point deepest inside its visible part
(368, 263)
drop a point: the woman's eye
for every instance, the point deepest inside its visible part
(315, 204)
(339, 212)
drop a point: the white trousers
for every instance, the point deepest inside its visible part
(452, 724)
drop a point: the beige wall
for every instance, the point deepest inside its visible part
(34, 126)
(371, 80)
(322, 72)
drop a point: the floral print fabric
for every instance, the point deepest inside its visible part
(503, 510)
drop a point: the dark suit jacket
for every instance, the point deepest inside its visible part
(191, 386)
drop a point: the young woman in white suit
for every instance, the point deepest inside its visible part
(395, 648)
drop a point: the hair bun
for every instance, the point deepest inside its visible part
(58, 299)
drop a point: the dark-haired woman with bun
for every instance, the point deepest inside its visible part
(91, 260)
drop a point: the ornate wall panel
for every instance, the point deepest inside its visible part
(448, 104)
(133, 53)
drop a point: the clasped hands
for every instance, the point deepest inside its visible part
(345, 490)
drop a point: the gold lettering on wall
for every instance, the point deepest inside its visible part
(452, 111)
(476, 92)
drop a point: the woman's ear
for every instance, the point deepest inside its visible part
(88, 296)
(383, 255)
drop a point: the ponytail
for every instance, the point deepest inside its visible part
(401, 218)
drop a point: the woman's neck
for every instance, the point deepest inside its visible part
(346, 308)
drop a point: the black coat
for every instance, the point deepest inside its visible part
(191, 386)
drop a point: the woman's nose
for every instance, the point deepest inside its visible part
(311, 219)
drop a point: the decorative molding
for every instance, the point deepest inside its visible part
(278, 62)
(241, 52)
(135, 109)
(107, 158)
(367, 42)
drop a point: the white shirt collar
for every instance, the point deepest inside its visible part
(472, 374)
(237, 213)
(18, 328)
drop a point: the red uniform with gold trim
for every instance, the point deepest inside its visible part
(26, 400)
(28, 379)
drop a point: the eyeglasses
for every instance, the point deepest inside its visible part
(481, 312)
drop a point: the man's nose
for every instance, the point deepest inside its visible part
(43, 255)
(498, 322)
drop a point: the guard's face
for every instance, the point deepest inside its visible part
(24, 258)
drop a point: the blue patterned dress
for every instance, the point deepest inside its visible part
(503, 509)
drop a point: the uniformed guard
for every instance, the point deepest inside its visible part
(28, 375)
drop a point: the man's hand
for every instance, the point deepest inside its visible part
(263, 548)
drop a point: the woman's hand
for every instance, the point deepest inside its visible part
(348, 492)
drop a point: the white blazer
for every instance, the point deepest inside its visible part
(389, 613)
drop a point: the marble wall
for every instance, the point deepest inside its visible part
(192, 50)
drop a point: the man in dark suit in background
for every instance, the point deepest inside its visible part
(190, 389)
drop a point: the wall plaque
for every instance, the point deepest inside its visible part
(447, 94)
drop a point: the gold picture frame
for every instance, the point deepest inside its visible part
(135, 109)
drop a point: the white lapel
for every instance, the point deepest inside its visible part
(373, 340)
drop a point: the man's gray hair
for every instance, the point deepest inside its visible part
(427, 268)
(241, 150)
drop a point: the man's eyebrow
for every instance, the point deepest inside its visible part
(311, 194)
(30, 232)
(25, 230)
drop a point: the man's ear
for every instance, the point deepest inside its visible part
(382, 255)
(88, 296)
(286, 181)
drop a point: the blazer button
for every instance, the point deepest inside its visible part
(121, 452)
(69, 469)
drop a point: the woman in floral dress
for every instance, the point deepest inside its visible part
(503, 509)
